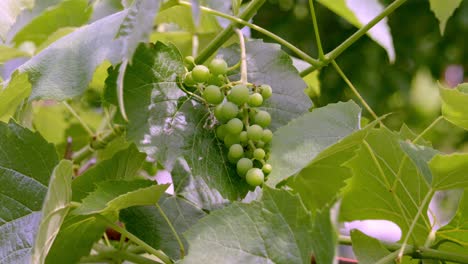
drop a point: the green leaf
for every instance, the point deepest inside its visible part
(10, 10)
(268, 64)
(76, 238)
(385, 185)
(26, 164)
(56, 207)
(450, 171)
(147, 223)
(368, 250)
(70, 13)
(359, 13)
(61, 32)
(137, 25)
(325, 238)
(182, 16)
(420, 156)
(292, 149)
(455, 105)
(65, 68)
(124, 165)
(13, 95)
(114, 195)
(457, 229)
(273, 230)
(443, 10)
(8, 53)
(169, 126)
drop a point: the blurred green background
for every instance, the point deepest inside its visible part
(406, 88)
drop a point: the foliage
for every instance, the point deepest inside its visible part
(264, 166)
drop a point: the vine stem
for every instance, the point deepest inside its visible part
(317, 34)
(265, 32)
(120, 89)
(355, 91)
(243, 64)
(75, 114)
(416, 252)
(101, 143)
(158, 253)
(176, 235)
(426, 200)
(353, 38)
(428, 128)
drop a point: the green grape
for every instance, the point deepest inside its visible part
(254, 177)
(200, 73)
(218, 66)
(262, 118)
(259, 154)
(255, 132)
(243, 165)
(234, 126)
(231, 139)
(189, 62)
(260, 144)
(267, 135)
(188, 80)
(236, 151)
(217, 80)
(229, 110)
(239, 94)
(266, 91)
(255, 100)
(267, 168)
(221, 132)
(213, 94)
(243, 137)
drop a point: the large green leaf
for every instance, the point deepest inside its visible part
(450, 171)
(8, 53)
(359, 13)
(114, 195)
(368, 250)
(56, 207)
(457, 229)
(69, 13)
(169, 126)
(123, 165)
(455, 105)
(268, 64)
(26, 164)
(443, 10)
(182, 16)
(325, 238)
(147, 223)
(13, 95)
(420, 156)
(386, 185)
(293, 150)
(273, 230)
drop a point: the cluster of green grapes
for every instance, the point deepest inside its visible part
(240, 124)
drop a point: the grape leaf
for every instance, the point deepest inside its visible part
(450, 171)
(71, 13)
(169, 126)
(123, 165)
(385, 185)
(457, 229)
(8, 53)
(10, 10)
(443, 11)
(114, 195)
(268, 64)
(325, 238)
(182, 16)
(455, 105)
(76, 238)
(368, 250)
(292, 149)
(359, 13)
(26, 164)
(273, 230)
(56, 207)
(147, 223)
(13, 94)
(420, 156)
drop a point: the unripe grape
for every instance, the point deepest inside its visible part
(218, 66)
(254, 177)
(234, 126)
(236, 151)
(200, 73)
(267, 168)
(255, 100)
(262, 118)
(239, 94)
(255, 132)
(189, 62)
(243, 137)
(260, 144)
(231, 139)
(267, 135)
(213, 94)
(266, 91)
(243, 165)
(259, 154)
(229, 110)
(188, 80)
(221, 132)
